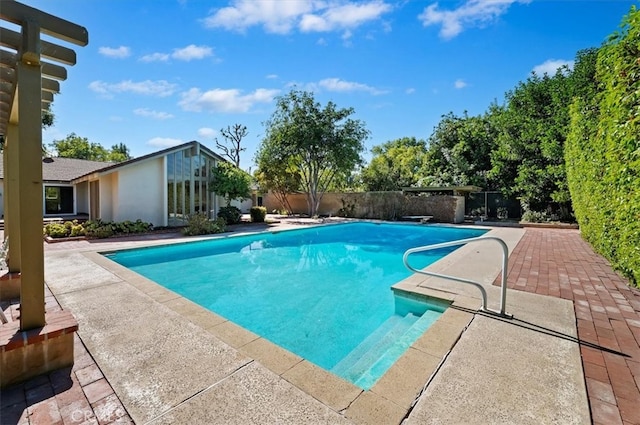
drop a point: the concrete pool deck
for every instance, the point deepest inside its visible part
(526, 370)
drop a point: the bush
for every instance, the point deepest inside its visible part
(231, 215)
(535, 216)
(258, 214)
(199, 224)
(77, 230)
(57, 230)
(95, 228)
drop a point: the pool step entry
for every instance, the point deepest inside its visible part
(371, 359)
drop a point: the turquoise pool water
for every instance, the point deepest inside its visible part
(321, 292)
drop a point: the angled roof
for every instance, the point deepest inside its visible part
(70, 170)
(159, 153)
(63, 170)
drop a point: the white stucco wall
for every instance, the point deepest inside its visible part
(140, 192)
(82, 198)
(244, 206)
(106, 197)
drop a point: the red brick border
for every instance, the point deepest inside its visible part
(560, 263)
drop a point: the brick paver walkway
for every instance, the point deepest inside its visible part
(560, 263)
(77, 395)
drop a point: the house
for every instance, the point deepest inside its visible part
(161, 188)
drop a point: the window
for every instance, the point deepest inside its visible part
(187, 186)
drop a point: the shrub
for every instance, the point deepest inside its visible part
(200, 224)
(77, 230)
(258, 214)
(535, 216)
(231, 215)
(57, 230)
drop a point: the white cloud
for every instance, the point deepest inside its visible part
(338, 85)
(282, 17)
(192, 52)
(460, 84)
(164, 142)
(160, 88)
(344, 16)
(473, 13)
(145, 112)
(272, 77)
(410, 90)
(155, 57)
(115, 52)
(188, 53)
(275, 16)
(207, 133)
(221, 100)
(550, 66)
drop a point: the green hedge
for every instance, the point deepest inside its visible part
(95, 228)
(602, 153)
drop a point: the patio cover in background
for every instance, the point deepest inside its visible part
(27, 85)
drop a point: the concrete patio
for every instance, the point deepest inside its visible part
(161, 359)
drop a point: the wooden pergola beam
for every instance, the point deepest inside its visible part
(18, 13)
(13, 40)
(8, 60)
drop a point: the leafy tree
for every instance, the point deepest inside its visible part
(230, 147)
(119, 153)
(395, 164)
(230, 181)
(460, 149)
(48, 117)
(319, 143)
(276, 174)
(529, 159)
(74, 146)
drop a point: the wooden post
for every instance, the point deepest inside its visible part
(11, 212)
(29, 199)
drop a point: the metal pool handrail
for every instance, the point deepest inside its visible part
(505, 263)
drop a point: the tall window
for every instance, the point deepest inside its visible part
(187, 186)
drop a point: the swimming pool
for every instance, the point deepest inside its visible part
(322, 293)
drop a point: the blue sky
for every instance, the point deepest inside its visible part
(162, 72)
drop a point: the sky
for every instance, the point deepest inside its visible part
(158, 73)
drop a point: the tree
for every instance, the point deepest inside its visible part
(230, 181)
(275, 173)
(119, 153)
(233, 136)
(395, 164)
(74, 146)
(320, 143)
(460, 149)
(529, 159)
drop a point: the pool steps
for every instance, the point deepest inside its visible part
(373, 346)
(382, 348)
